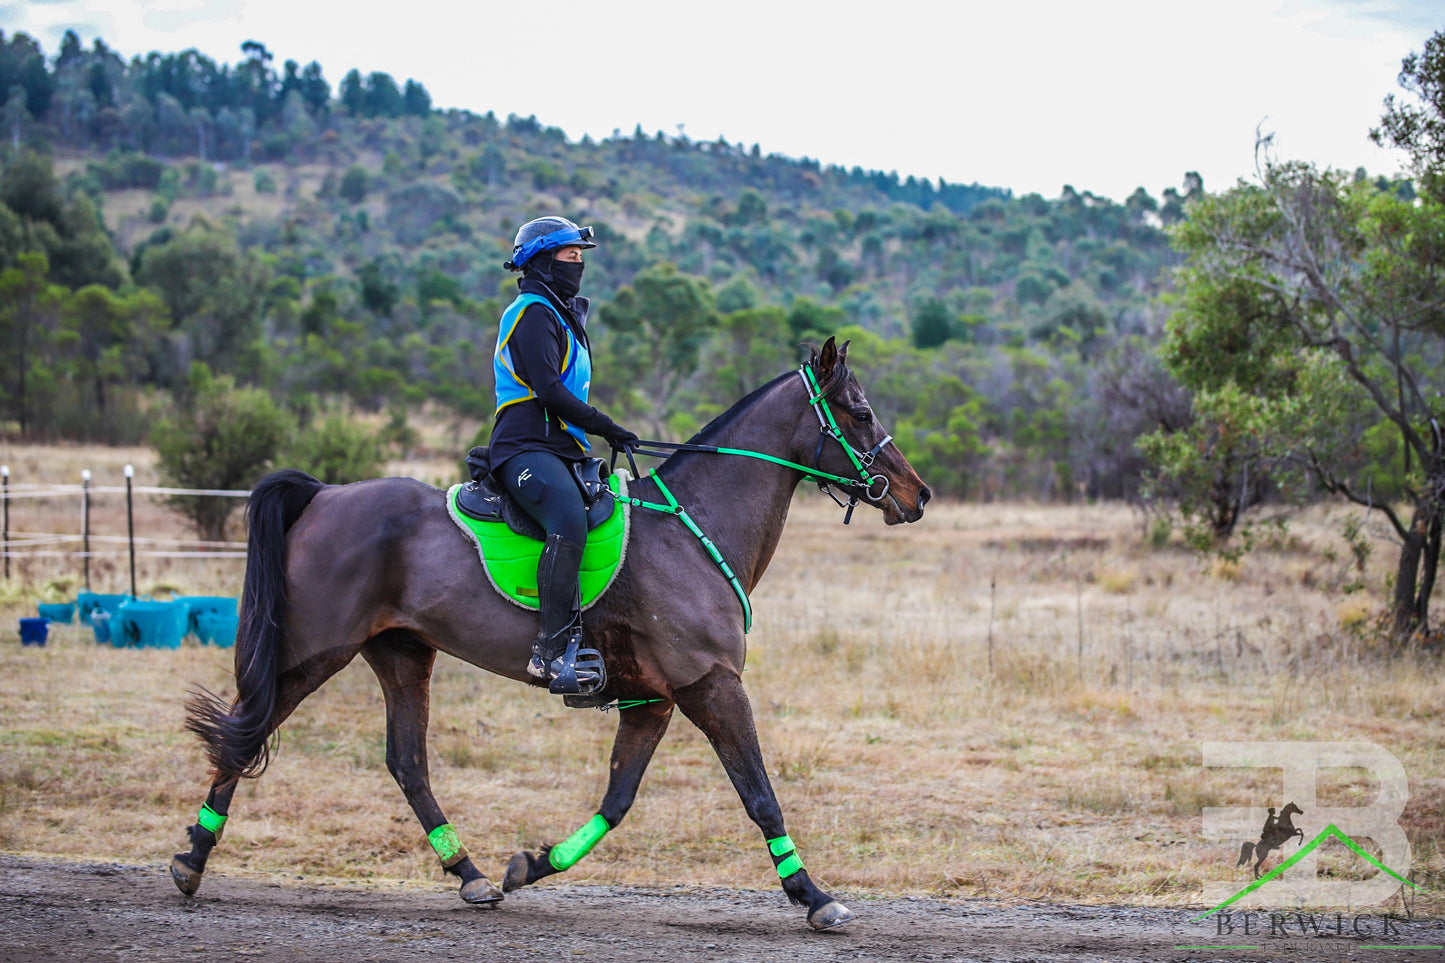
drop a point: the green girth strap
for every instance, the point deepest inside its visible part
(673, 508)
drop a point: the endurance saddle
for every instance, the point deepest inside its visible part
(509, 543)
(482, 500)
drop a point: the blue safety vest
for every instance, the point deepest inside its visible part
(576, 364)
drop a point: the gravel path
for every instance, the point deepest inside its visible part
(102, 912)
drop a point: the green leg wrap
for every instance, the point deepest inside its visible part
(448, 848)
(211, 821)
(566, 854)
(782, 846)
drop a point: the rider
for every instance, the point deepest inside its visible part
(543, 369)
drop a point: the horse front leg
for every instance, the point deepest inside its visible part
(718, 705)
(639, 730)
(403, 666)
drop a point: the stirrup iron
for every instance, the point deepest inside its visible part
(578, 671)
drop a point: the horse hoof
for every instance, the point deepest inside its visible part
(518, 868)
(829, 916)
(187, 879)
(481, 892)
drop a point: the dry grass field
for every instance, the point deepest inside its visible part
(1002, 700)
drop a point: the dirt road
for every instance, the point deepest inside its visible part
(101, 912)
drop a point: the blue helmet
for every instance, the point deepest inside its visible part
(546, 234)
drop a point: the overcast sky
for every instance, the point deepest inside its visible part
(1106, 96)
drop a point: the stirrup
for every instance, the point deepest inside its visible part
(577, 671)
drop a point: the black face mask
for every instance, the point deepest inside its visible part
(567, 278)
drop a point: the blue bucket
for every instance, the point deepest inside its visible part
(88, 603)
(100, 625)
(34, 631)
(199, 605)
(142, 624)
(57, 611)
(215, 629)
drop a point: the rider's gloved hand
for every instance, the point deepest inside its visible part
(618, 436)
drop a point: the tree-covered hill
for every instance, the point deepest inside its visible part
(347, 243)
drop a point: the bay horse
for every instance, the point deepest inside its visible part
(379, 568)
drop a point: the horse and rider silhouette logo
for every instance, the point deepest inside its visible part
(1278, 830)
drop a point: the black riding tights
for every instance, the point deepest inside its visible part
(544, 487)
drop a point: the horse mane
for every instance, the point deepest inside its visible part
(835, 380)
(726, 418)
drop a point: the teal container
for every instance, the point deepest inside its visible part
(145, 624)
(215, 629)
(34, 631)
(88, 603)
(199, 605)
(63, 612)
(100, 625)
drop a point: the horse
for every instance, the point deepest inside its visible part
(378, 568)
(1276, 833)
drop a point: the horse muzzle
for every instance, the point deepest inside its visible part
(896, 512)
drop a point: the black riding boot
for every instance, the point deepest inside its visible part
(557, 653)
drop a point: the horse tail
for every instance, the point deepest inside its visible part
(235, 733)
(1246, 850)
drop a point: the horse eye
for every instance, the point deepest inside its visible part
(863, 416)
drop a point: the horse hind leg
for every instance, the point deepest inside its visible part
(639, 730)
(292, 687)
(403, 667)
(188, 868)
(718, 705)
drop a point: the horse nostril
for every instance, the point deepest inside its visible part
(924, 494)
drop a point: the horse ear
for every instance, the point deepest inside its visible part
(843, 351)
(827, 358)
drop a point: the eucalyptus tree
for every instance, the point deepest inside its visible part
(1311, 327)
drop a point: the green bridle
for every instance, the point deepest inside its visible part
(862, 460)
(862, 485)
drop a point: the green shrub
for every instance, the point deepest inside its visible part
(337, 450)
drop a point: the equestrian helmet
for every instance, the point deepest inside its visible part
(546, 234)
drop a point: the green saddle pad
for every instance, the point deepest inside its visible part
(510, 560)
